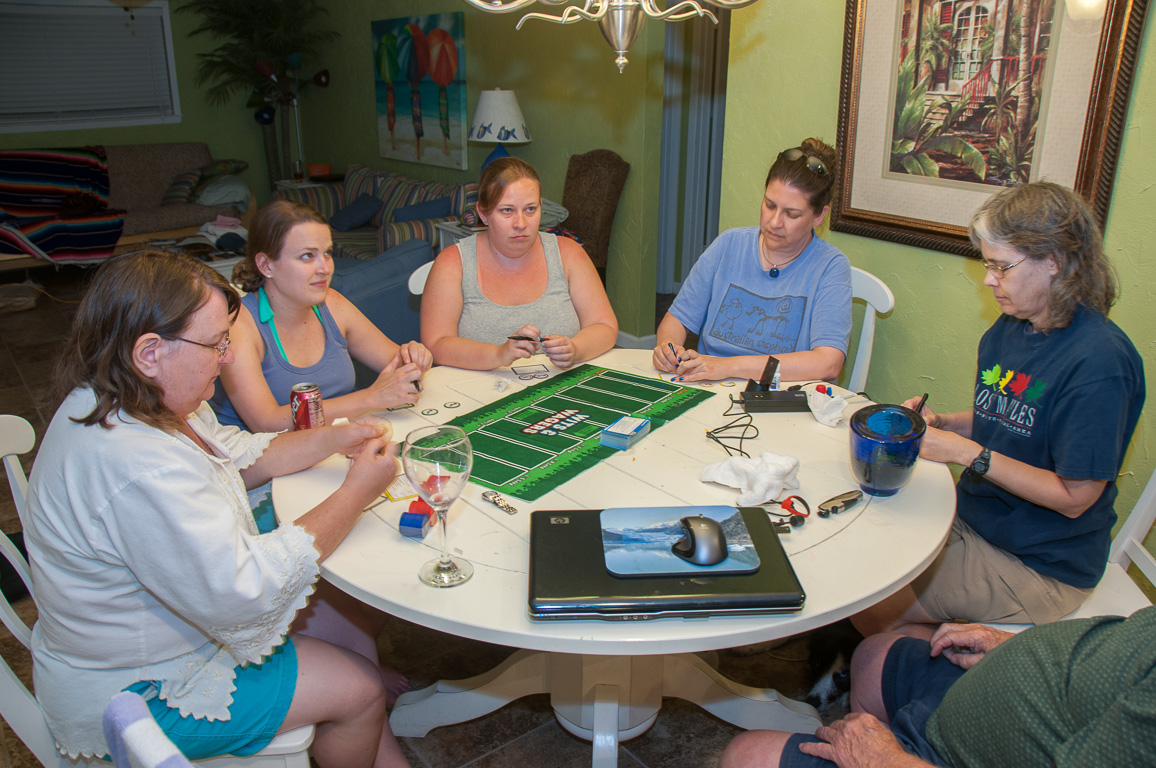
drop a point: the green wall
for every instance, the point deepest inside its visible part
(784, 86)
(571, 94)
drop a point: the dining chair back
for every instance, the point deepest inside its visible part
(593, 186)
(134, 738)
(1118, 594)
(19, 707)
(879, 300)
(418, 277)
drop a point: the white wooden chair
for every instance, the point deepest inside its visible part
(879, 300)
(19, 707)
(1117, 594)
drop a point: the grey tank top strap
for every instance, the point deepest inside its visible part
(552, 313)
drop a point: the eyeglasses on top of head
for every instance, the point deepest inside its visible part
(997, 270)
(814, 164)
(221, 347)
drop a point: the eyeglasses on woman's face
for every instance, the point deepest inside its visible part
(814, 164)
(221, 347)
(997, 271)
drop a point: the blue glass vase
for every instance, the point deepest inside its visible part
(885, 442)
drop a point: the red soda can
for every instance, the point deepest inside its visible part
(305, 405)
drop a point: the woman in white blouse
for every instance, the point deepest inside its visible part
(148, 569)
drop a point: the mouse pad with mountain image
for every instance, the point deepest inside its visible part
(637, 540)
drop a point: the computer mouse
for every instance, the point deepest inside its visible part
(703, 541)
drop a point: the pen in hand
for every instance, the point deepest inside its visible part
(677, 358)
(521, 338)
(922, 402)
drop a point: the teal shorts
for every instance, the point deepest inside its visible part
(260, 704)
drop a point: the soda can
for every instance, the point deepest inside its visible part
(305, 405)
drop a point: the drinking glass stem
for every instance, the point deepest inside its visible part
(445, 558)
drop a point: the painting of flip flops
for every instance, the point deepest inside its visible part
(420, 82)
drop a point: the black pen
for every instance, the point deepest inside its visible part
(521, 338)
(671, 345)
(417, 385)
(922, 402)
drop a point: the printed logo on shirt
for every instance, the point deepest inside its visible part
(1007, 397)
(765, 325)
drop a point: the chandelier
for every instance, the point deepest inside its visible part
(619, 20)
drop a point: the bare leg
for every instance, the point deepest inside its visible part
(344, 695)
(754, 749)
(899, 613)
(344, 621)
(867, 675)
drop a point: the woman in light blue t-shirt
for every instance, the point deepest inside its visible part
(775, 290)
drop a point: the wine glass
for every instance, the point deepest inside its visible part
(437, 461)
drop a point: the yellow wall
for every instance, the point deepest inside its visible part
(571, 94)
(784, 86)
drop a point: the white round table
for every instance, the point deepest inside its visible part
(607, 678)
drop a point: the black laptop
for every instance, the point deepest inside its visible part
(569, 578)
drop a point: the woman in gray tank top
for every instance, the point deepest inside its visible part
(510, 292)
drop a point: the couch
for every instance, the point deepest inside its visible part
(384, 209)
(103, 200)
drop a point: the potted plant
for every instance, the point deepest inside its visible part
(263, 45)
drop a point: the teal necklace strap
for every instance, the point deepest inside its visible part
(265, 315)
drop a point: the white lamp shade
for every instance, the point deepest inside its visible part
(498, 119)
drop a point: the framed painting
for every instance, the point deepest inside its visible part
(944, 102)
(419, 72)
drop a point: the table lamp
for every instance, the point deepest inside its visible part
(498, 120)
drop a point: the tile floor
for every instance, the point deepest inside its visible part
(521, 734)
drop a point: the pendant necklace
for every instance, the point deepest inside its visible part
(774, 271)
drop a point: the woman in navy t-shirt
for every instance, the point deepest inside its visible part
(1058, 390)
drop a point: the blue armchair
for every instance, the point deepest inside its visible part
(379, 289)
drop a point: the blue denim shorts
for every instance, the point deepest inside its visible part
(260, 704)
(913, 685)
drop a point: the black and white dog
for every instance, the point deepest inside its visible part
(831, 648)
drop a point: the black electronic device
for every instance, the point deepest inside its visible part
(754, 399)
(702, 542)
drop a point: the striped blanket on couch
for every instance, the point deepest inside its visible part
(54, 205)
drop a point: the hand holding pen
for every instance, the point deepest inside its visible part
(667, 357)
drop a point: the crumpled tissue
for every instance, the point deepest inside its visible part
(826, 409)
(760, 480)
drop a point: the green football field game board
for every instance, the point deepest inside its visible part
(530, 442)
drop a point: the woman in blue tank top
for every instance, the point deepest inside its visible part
(510, 292)
(294, 328)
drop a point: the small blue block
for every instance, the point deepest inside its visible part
(414, 525)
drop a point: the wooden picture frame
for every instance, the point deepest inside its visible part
(882, 192)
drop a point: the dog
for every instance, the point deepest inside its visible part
(831, 648)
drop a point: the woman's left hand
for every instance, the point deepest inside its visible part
(944, 446)
(696, 367)
(416, 353)
(560, 350)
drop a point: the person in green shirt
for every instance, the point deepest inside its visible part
(1072, 693)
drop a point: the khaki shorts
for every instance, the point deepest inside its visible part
(974, 580)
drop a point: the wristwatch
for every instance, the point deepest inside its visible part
(982, 463)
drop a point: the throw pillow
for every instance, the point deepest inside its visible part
(215, 170)
(430, 209)
(181, 188)
(227, 190)
(356, 214)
